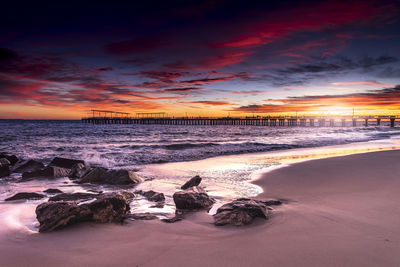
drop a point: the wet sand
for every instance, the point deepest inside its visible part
(342, 211)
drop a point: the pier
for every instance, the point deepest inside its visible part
(162, 118)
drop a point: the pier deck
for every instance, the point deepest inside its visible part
(110, 117)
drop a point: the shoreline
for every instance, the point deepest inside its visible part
(342, 211)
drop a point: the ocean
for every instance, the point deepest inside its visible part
(226, 157)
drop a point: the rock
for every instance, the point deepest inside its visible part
(192, 199)
(5, 162)
(64, 162)
(195, 181)
(25, 195)
(152, 195)
(73, 197)
(82, 196)
(11, 158)
(48, 172)
(128, 195)
(240, 212)
(78, 171)
(107, 208)
(114, 177)
(5, 167)
(143, 216)
(172, 220)
(27, 166)
(272, 202)
(53, 191)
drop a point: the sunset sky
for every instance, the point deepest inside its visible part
(207, 58)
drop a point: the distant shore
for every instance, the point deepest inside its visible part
(342, 211)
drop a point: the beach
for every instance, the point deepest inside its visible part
(340, 211)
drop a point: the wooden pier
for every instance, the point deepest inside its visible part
(161, 118)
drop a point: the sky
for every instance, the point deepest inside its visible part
(59, 60)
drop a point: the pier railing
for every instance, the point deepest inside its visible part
(291, 121)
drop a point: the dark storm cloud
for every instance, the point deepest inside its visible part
(341, 65)
(114, 53)
(301, 74)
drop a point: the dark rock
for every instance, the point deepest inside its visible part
(152, 195)
(143, 216)
(172, 220)
(64, 162)
(53, 191)
(73, 196)
(176, 218)
(82, 196)
(25, 195)
(11, 158)
(106, 208)
(78, 171)
(128, 195)
(114, 177)
(28, 166)
(192, 199)
(5, 167)
(195, 181)
(48, 172)
(5, 162)
(272, 202)
(240, 212)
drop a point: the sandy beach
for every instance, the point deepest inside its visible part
(341, 211)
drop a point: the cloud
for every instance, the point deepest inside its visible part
(302, 73)
(182, 89)
(212, 103)
(372, 84)
(388, 99)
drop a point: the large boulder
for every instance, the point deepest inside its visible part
(5, 167)
(64, 162)
(195, 181)
(48, 172)
(192, 199)
(78, 171)
(113, 177)
(240, 212)
(11, 158)
(25, 195)
(27, 166)
(106, 208)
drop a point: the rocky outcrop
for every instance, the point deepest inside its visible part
(64, 162)
(27, 166)
(5, 167)
(105, 208)
(53, 191)
(192, 199)
(113, 177)
(240, 212)
(195, 181)
(25, 195)
(152, 195)
(48, 172)
(78, 171)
